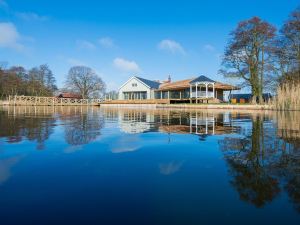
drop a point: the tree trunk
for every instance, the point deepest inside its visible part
(255, 84)
(261, 76)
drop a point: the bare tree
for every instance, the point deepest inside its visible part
(247, 53)
(112, 95)
(84, 80)
(16, 80)
(41, 81)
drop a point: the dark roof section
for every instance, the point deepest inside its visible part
(150, 83)
(248, 96)
(202, 79)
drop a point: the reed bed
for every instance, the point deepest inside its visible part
(288, 97)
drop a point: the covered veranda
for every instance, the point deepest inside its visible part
(202, 90)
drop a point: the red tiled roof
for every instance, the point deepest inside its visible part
(183, 84)
(69, 95)
(176, 85)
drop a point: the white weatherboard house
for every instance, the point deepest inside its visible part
(188, 90)
(138, 88)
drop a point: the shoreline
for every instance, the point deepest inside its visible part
(216, 106)
(189, 106)
(173, 106)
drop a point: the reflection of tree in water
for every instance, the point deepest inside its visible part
(261, 165)
(83, 128)
(34, 128)
(248, 166)
(293, 181)
(38, 130)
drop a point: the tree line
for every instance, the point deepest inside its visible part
(16, 80)
(40, 81)
(262, 57)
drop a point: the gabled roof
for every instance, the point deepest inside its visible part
(176, 84)
(149, 83)
(202, 79)
(182, 84)
(226, 87)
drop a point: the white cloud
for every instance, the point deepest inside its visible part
(75, 62)
(30, 16)
(209, 48)
(83, 44)
(107, 42)
(10, 37)
(125, 143)
(170, 168)
(6, 166)
(126, 65)
(73, 148)
(171, 46)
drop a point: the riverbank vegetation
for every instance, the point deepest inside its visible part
(288, 96)
(40, 81)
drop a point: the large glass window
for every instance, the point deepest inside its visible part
(135, 95)
(174, 94)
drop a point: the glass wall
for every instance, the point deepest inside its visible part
(135, 95)
(173, 94)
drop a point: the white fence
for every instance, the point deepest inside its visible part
(35, 100)
(202, 94)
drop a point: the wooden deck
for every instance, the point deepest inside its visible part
(138, 101)
(163, 101)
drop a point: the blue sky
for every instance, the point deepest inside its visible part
(119, 39)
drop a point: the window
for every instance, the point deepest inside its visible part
(134, 84)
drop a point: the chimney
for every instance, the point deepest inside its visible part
(169, 79)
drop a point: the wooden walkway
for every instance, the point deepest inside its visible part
(51, 101)
(139, 101)
(163, 101)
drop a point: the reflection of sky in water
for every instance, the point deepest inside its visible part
(110, 166)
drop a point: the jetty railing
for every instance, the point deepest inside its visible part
(36, 100)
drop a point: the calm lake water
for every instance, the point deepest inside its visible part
(77, 165)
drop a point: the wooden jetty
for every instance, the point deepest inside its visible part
(51, 101)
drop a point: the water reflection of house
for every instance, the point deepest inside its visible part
(202, 124)
(199, 123)
(135, 121)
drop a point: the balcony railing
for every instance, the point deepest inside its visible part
(197, 121)
(202, 94)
